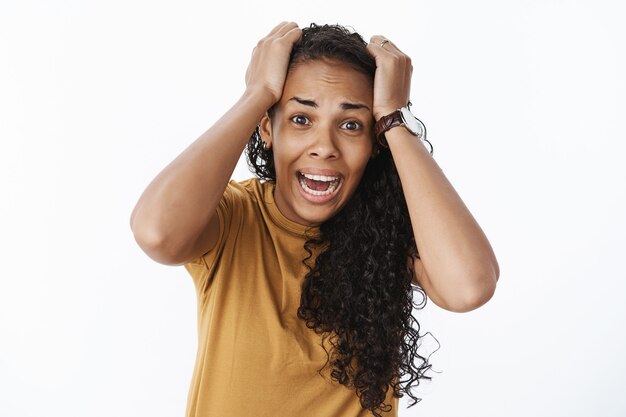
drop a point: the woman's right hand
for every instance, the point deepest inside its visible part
(267, 70)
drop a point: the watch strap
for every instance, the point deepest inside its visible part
(384, 124)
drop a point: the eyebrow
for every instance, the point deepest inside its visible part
(344, 106)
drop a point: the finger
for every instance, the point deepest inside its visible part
(277, 28)
(293, 34)
(383, 43)
(285, 28)
(377, 51)
(378, 39)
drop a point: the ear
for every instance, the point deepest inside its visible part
(265, 129)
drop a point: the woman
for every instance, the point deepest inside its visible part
(305, 279)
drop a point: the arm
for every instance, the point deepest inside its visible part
(175, 218)
(458, 269)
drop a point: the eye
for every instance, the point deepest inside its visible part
(300, 119)
(352, 125)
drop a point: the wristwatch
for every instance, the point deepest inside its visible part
(401, 117)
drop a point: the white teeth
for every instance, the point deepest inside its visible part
(319, 177)
(331, 188)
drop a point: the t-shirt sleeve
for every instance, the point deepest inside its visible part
(202, 268)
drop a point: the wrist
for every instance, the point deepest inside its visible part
(400, 117)
(384, 112)
(260, 96)
(253, 105)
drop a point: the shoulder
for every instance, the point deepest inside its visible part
(238, 192)
(245, 199)
(245, 188)
(252, 189)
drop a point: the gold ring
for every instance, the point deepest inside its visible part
(383, 42)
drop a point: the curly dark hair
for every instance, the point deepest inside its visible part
(358, 293)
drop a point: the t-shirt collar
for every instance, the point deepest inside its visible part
(280, 219)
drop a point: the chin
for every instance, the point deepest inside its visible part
(313, 217)
(313, 212)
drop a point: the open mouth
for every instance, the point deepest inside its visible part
(319, 185)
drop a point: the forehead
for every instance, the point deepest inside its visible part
(327, 81)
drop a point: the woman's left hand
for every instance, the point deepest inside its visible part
(392, 82)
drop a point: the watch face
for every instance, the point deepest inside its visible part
(413, 123)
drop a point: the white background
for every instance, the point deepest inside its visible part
(523, 101)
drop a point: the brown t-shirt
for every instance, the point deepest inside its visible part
(255, 357)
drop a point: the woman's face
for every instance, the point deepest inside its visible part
(321, 135)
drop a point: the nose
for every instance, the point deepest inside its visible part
(323, 145)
